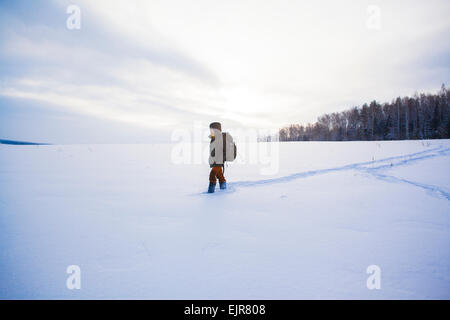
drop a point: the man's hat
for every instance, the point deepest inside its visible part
(216, 125)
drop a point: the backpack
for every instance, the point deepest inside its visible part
(229, 147)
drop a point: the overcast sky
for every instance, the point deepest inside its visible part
(136, 70)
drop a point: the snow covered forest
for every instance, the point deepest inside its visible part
(422, 116)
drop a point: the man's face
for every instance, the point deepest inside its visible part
(212, 132)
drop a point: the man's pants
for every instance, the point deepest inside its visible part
(216, 172)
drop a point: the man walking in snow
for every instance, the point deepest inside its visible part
(216, 159)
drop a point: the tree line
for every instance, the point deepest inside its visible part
(422, 116)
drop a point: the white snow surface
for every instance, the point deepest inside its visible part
(141, 227)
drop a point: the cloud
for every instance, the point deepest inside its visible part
(165, 64)
(101, 74)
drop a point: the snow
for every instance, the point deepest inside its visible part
(140, 226)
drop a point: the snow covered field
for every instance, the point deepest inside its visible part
(140, 226)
